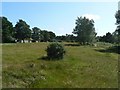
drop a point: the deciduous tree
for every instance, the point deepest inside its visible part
(22, 30)
(85, 30)
(117, 35)
(7, 31)
(36, 36)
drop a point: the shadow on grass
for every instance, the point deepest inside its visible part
(114, 49)
(46, 58)
(72, 44)
(43, 58)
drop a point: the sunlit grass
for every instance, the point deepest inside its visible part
(82, 67)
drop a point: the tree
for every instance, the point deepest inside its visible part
(67, 38)
(117, 16)
(109, 38)
(51, 35)
(61, 38)
(85, 30)
(7, 31)
(47, 36)
(117, 35)
(70, 38)
(22, 30)
(36, 36)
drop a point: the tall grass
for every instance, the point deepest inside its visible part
(82, 67)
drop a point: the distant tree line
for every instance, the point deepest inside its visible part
(115, 36)
(67, 38)
(109, 37)
(22, 32)
(84, 30)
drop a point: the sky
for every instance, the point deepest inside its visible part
(60, 17)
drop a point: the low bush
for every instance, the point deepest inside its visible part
(55, 51)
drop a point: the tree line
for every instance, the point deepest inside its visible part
(22, 32)
(84, 32)
(115, 36)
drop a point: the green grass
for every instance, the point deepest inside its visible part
(82, 67)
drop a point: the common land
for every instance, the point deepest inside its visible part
(81, 67)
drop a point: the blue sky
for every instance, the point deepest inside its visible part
(60, 17)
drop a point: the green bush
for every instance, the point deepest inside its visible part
(55, 51)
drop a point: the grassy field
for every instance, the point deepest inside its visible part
(82, 67)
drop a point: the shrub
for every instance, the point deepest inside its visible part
(55, 51)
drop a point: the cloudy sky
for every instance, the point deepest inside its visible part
(60, 17)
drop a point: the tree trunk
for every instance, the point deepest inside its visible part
(23, 41)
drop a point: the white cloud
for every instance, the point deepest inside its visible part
(91, 16)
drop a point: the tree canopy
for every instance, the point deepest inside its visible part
(117, 31)
(7, 30)
(22, 30)
(47, 36)
(107, 38)
(36, 36)
(85, 30)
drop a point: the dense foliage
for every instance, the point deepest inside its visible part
(55, 51)
(85, 30)
(67, 38)
(36, 34)
(7, 30)
(22, 31)
(47, 36)
(42, 35)
(117, 32)
(107, 38)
